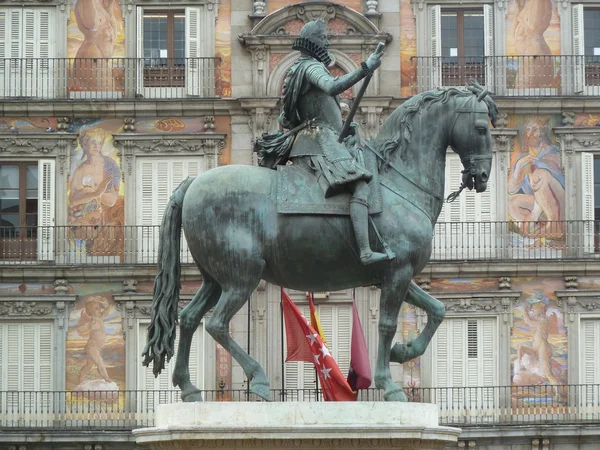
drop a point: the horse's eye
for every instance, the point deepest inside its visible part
(482, 131)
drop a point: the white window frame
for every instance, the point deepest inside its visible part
(200, 42)
(32, 72)
(430, 76)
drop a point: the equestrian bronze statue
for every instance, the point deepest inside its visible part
(341, 215)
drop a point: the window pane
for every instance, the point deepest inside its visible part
(9, 220)
(32, 176)
(449, 24)
(9, 176)
(474, 34)
(9, 206)
(9, 194)
(31, 221)
(179, 39)
(32, 206)
(591, 30)
(155, 37)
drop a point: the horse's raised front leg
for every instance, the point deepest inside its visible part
(435, 310)
(393, 291)
(232, 299)
(191, 316)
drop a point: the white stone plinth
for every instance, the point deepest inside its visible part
(302, 425)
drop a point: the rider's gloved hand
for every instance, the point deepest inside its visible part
(374, 61)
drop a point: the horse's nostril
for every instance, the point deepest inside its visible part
(484, 176)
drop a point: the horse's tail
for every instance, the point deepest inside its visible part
(163, 319)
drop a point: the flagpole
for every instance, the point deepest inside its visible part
(282, 351)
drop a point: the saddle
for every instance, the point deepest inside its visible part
(298, 192)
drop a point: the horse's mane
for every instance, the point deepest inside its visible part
(396, 130)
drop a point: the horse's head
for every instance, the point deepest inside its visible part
(470, 135)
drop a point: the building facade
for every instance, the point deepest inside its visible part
(107, 105)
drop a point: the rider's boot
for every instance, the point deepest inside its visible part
(359, 214)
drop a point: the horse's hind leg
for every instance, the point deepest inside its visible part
(232, 299)
(206, 297)
(435, 310)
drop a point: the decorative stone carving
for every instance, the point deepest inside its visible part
(574, 301)
(568, 119)
(500, 302)
(208, 145)
(38, 145)
(258, 8)
(502, 120)
(372, 6)
(571, 282)
(61, 286)
(130, 285)
(24, 308)
(424, 283)
(504, 283)
(209, 124)
(129, 124)
(63, 124)
(61, 310)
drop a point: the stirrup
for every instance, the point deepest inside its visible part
(372, 257)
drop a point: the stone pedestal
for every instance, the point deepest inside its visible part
(290, 425)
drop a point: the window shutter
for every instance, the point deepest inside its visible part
(578, 48)
(160, 177)
(590, 346)
(16, 25)
(434, 69)
(46, 190)
(13, 351)
(193, 76)
(140, 52)
(587, 201)
(488, 45)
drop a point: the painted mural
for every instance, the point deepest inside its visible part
(463, 284)
(586, 120)
(536, 186)
(95, 193)
(27, 124)
(96, 35)
(223, 50)
(408, 49)
(533, 28)
(411, 369)
(538, 344)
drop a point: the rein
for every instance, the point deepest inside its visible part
(414, 183)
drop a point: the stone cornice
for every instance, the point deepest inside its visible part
(574, 301)
(478, 303)
(38, 145)
(577, 138)
(160, 143)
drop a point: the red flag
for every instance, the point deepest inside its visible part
(359, 376)
(295, 335)
(314, 318)
(335, 387)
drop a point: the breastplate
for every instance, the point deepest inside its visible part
(318, 105)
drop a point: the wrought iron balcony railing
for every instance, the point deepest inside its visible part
(512, 76)
(107, 78)
(458, 406)
(452, 241)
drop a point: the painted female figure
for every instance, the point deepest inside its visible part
(91, 324)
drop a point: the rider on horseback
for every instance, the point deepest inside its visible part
(311, 111)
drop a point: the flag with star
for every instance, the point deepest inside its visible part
(334, 385)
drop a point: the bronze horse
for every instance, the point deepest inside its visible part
(236, 237)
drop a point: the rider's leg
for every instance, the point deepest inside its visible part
(359, 214)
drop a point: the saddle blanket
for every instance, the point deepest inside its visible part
(298, 192)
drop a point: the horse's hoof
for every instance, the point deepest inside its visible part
(262, 390)
(192, 396)
(397, 395)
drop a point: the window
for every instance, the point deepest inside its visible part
(463, 39)
(26, 209)
(164, 48)
(586, 48)
(465, 357)
(26, 363)
(336, 321)
(26, 46)
(158, 178)
(465, 228)
(176, 46)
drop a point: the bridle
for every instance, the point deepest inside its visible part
(468, 160)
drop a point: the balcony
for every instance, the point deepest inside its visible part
(107, 78)
(452, 241)
(511, 76)
(459, 406)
